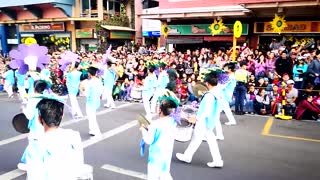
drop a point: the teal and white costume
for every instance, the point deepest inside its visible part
(109, 78)
(161, 84)
(58, 154)
(147, 92)
(73, 83)
(207, 116)
(93, 93)
(160, 136)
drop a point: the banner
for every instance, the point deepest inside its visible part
(293, 27)
(84, 33)
(203, 29)
(42, 27)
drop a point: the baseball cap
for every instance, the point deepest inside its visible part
(290, 82)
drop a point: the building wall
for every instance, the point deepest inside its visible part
(138, 21)
(172, 4)
(53, 13)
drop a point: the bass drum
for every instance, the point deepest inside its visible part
(184, 128)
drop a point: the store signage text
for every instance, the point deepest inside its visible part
(202, 29)
(44, 27)
(294, 27)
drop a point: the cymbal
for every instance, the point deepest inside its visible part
(199, 89)
(20, 123)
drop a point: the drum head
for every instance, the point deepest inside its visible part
(20, 123)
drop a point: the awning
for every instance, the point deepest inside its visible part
(117, 28)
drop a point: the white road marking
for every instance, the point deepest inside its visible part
(22, 136)
(124, 171)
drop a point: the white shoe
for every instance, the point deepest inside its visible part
(113, 107)
(182, 157)
(221, 138)
(215, 164)
(22, 166)
(106, 106)
(230, 123)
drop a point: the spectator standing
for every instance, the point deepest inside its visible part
(299, 70)
(284, 65)
(241, 76)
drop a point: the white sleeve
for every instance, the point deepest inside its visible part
(148, 135)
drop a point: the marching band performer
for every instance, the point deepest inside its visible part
(9, 81)
(207, 116)
(93, 92)
(228, 90)
(109, 79)
(161, 84)
(21, 86)
(148, 90)
(31, 113)
(73, 83)
(160, 135)
(58, 154)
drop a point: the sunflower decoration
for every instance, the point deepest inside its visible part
(165, 30)
(216, 27)
(278, 23)
(30, 40)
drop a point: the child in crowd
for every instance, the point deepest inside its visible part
(124, 89)
(250, 98)
(252, 80)
(274, 98)
(116, 91)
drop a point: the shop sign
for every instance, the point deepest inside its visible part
(43, 27)
(121, 35)
(203, 29)
(184, 40)
(85, 33)
(151, 33)
(293, 27)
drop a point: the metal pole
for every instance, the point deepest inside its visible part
(89, 8)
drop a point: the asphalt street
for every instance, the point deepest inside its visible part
(256, 148)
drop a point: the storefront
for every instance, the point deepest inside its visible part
(151, 32)
(296, 32)
(119, 36)
(86, 39)
(51, 35)
(188, 36)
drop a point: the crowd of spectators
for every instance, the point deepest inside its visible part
(271, 71)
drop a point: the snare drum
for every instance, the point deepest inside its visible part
(184, 128)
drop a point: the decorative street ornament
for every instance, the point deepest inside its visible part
(30, 40)
(278, 24)
(165, 30)
(216, 27)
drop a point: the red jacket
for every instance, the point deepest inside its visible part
(303, 105)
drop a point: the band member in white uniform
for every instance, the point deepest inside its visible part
(161, 84)
(207, 116)
(148, 90)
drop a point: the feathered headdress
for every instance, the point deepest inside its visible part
(169, 95)
(106, 56)
(220, 73)
(162, 63)
(152, 64)
(68, 58)
(28, 58)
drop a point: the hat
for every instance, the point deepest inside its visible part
(301, 58)
(295, 45)
(266, 79)
(290, 82)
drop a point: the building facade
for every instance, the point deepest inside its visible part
(59, 23)
(188, 21)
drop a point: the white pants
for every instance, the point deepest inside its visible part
(8, 88)
(154, 174)
(92, 118)
(107, 95)
(22, 93)
(227, 110)
(75, 105)
(200, 132)
(158, 93)
(146, 104)
(218, 128)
